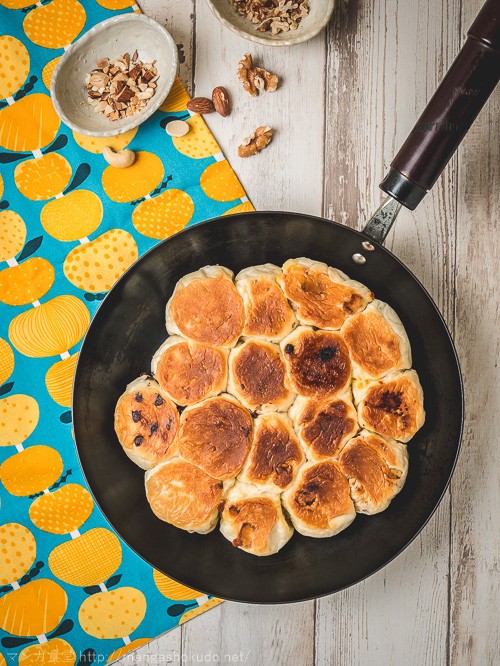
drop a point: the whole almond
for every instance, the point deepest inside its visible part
(220, 98)
(201, 105)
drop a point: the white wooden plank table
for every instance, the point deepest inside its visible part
(347, 100)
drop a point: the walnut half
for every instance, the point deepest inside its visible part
(255, 79)
(256, 142)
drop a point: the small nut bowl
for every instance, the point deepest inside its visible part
(111, 38)
(320, 12)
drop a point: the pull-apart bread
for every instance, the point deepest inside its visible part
(216, 435)
(318, 502)
(253, 520)
(184, 495)
(322, 296)
(206, 307)
(268, 314)
(283, 398)
(376, 468)
(318, 362)
(324, 425)
(275, 454)
(377, 342)
(392, 406)
(146, 423)
(189, 371)
(258, 377)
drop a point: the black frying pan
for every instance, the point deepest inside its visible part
(129, 326)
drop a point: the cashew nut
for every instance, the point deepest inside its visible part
(121, 159)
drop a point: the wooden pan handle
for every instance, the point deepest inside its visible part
(451, 111)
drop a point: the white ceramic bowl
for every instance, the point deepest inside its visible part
(109, 39)
(320, 12)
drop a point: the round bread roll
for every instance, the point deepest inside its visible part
(392, 406)
(268, 314)
(181, 494)
(206, 307)
(275, 454)
(253, 520)
(318, 502)
(216, 435)
(377, 342)
(324, 425)
(376, 469)
(320, 295)
(146, 423)
(318, 362)
(189, 371)
(257, 377)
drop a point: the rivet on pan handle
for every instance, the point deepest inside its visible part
(445, 120)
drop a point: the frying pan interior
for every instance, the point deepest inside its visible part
(129, 327)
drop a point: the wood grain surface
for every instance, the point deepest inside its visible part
(347, 100)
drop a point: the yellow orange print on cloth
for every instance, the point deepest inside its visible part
(18, 550)
(116, 4)
(15, 4)
(12, 234)
(56, 24)
(198, 143)
(26, 282)
(176, 99)
(48, 70)
(52, 328)
(59, 380)
(219, 182)
(18, 418)
(14, 65)
(164, 215)
(28, 124)
(34, 609)
(6, 361)
(63, 510)
(114, 613)
(138, 180)
(72, 216)
(95, 266)
(31, 470)
(89, 559)
(54, 651)
(96, 144)
(43, 177)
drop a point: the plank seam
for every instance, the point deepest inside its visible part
(453, 330)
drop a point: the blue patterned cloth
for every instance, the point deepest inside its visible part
(70, 590)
